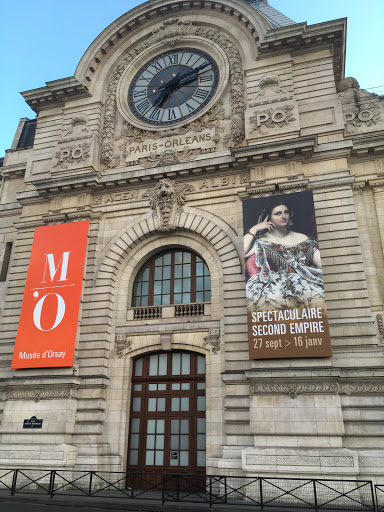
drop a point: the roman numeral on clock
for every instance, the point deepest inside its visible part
(206, 78)
(189, 107)
(155, 114)
(171, 114)
(158, 67)
(143, 106)
(201, 93)
(139, 94)
(147, 79)
(173, 59)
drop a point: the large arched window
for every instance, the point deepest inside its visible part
(172, 277)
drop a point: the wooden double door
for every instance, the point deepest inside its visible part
(167, 419)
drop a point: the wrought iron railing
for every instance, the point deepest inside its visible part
(261, 493)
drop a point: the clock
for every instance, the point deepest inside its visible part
(173, 87)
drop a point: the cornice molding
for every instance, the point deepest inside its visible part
(301, 36)
(55, 93)
(303, 146)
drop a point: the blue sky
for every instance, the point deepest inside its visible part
(43, 40)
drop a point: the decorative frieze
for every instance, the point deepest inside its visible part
(37, 394)
(293, 388)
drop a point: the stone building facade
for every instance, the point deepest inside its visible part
(282, 119)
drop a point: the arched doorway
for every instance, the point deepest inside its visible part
(167, 419)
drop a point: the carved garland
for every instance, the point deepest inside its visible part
(40, 394)
(181, 29)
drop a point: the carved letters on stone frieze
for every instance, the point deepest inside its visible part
(170, 150)
(170, 32)
(167, 200)
(273, 117)
(360, 107)
(76, 148)
(327, 387)
(282, 111)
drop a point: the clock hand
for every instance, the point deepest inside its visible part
(195, 71)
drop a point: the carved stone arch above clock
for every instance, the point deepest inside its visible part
(224, 60)
(132, 29)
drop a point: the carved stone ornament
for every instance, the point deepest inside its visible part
(273, 117)
(360, 107)
(319, 387)
(270, 92)
(123, 345)
(167, 201)
(78, 130)
(380, 324)
(170, 32)
(169, 157)
(40, 394)
(212, 340)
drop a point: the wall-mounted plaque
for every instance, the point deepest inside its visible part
(33, 423)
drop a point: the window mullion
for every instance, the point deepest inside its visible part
(151, 283)
(193, 278)
(172, 274)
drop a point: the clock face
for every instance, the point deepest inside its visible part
(173, 87)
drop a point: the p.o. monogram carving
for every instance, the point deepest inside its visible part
(167, 201)
(273, 117)
(360, 107)
(70, 154)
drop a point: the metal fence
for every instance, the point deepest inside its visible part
(259, 492)
(380, 497)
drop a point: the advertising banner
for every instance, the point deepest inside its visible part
(287, 314)
(49, 313)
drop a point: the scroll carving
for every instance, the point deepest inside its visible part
(212, 340)
(122, 344)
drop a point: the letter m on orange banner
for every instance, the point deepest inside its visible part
(48, 320)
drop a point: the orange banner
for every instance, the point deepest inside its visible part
(49, 313)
